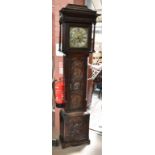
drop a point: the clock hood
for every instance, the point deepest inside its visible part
(76, 13)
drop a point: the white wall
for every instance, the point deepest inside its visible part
(129, 77)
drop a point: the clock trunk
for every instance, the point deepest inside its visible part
(75, 77)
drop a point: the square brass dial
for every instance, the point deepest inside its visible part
(78, 37)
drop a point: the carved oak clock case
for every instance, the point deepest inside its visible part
(76, 41)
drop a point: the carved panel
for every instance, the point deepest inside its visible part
(77, 128)
(77, 83)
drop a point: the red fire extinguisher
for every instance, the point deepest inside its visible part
(59, 93)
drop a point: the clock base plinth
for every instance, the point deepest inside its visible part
(74, 128)
(73, 143)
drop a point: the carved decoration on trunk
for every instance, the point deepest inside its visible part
(77, 73)
(76, 86)
(77, 69)
(76, 100)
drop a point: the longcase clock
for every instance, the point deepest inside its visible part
(76, 41)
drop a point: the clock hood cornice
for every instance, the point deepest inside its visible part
(76, 13)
